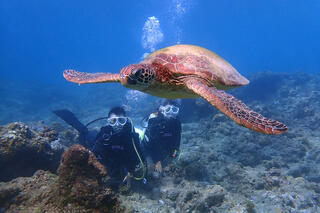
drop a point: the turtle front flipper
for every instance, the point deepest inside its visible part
(235, 109)
(89, 78)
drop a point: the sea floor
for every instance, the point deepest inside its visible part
(223, 167)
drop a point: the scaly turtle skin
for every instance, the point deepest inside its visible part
(187, 71)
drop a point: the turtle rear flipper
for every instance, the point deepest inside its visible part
(235, 109)
(87, 78)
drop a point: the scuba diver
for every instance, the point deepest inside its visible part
(116, 145)
(162, 135)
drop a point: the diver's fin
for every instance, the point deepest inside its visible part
(71, 119)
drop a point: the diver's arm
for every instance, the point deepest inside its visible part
(153, 134)
(99, 135)
(146, 141)
(132, 159)
(153, 131)
(101, 139)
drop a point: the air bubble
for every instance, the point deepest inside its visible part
(152, 34)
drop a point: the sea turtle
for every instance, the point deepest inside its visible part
(187, 71)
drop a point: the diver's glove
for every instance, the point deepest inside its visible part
(175, 153)
(158, 167)
(127, 177)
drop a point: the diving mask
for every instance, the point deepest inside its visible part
(169, 110)
(117, 121)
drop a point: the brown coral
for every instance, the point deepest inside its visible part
(80, 181)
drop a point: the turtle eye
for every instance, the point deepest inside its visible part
(138, 73)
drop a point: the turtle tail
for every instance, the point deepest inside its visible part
(89, 78)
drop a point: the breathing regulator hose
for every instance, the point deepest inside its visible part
(135, 148)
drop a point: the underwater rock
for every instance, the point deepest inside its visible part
(69, 137)
(80, 181)
(195, 172)
(211, 196)
(314, 155)
(314, 178)
(214, 195)
(78, 188)
(299, 171)
(28, 194)
(155, 194)
(190, 195)
(172, 195)
(24, 150)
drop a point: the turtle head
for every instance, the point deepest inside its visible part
(137, 76)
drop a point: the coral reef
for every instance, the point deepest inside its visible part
(256, 173)
(223, 167)
(77, 188)
(24, 150)
(28, 194)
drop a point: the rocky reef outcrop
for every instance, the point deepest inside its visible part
(80, 181)
(24, 150)
(77, 188)
(28, 194)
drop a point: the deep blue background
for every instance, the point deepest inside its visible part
(39, 39)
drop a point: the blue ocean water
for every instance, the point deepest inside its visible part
(224, 167)
(39, 39)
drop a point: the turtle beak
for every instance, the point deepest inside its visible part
(127, 81)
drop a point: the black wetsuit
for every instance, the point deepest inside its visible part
(162, 137)
(116, 151)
